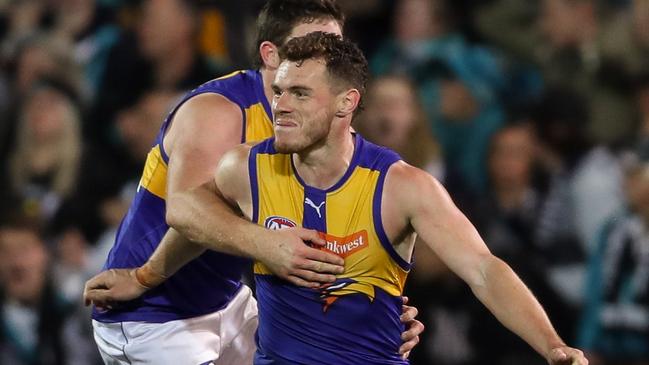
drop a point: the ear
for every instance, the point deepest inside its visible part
(348, 102)
(269, 55)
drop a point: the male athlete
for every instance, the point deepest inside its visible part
(367, 204)
(203, 312)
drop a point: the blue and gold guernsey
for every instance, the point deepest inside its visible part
(356, 319)
(208, 283)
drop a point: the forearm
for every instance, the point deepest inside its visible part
(512, 303)
(173, 252)
(202, 216)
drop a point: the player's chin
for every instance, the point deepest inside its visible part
(283, 145)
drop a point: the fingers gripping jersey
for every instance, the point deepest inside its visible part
(208, 283)
(355, 320)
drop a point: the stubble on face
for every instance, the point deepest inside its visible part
(313, 117)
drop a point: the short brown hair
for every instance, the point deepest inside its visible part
(345, 62)
(278, 18)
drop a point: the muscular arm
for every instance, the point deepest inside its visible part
(202, 130)
(428, 209)
(195, 215)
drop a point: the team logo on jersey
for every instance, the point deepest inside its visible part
(344, 286)
(329, 294)
(345, 246)
(277, 222)
(313, 205)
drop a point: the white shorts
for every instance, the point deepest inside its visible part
(222, 338)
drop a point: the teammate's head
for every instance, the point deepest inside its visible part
(280, 20)
(319, 82)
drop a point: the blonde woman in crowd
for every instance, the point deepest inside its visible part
(44, 163)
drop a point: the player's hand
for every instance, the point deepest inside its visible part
(410, 337)
(114, 285)
(565, 355)
(294, 261)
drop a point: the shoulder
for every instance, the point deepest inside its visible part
(206, 121)
(410, 186)
(232, 176)
(409, 176)
(241, 87)
(226, 92)
(204, 106)
(236, 158)
(376, 157)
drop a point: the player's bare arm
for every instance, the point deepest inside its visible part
(202, 130)
(289, 258)
(414, 201)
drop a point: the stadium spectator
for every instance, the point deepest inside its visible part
(46, 158)
(615, 326)
(458, 82)
(37, 325)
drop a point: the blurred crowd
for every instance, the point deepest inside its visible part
(533, 113)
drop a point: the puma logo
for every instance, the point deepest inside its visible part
(316, 207)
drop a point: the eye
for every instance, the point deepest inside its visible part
(300, 94)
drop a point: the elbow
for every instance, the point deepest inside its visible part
(489, 268)
(177, 216)
(172, 215)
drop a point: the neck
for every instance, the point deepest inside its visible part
(169, 71)
(323, 165)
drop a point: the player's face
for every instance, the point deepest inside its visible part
(303, 105)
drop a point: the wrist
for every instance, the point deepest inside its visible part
(553, 345)
(260, 243)
(147, 277)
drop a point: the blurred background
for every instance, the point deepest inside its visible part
(533, 113)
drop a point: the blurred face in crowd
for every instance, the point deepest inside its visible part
(641, 20)
(416, 20)
(637, 189)
(23, 262)
(139, 125)
(166, 24)
(303, 105)
(642, 98)
(560, 21)
(46, 113)
(74, 16)
(33, 62)
(391, 112)
(511, 157)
